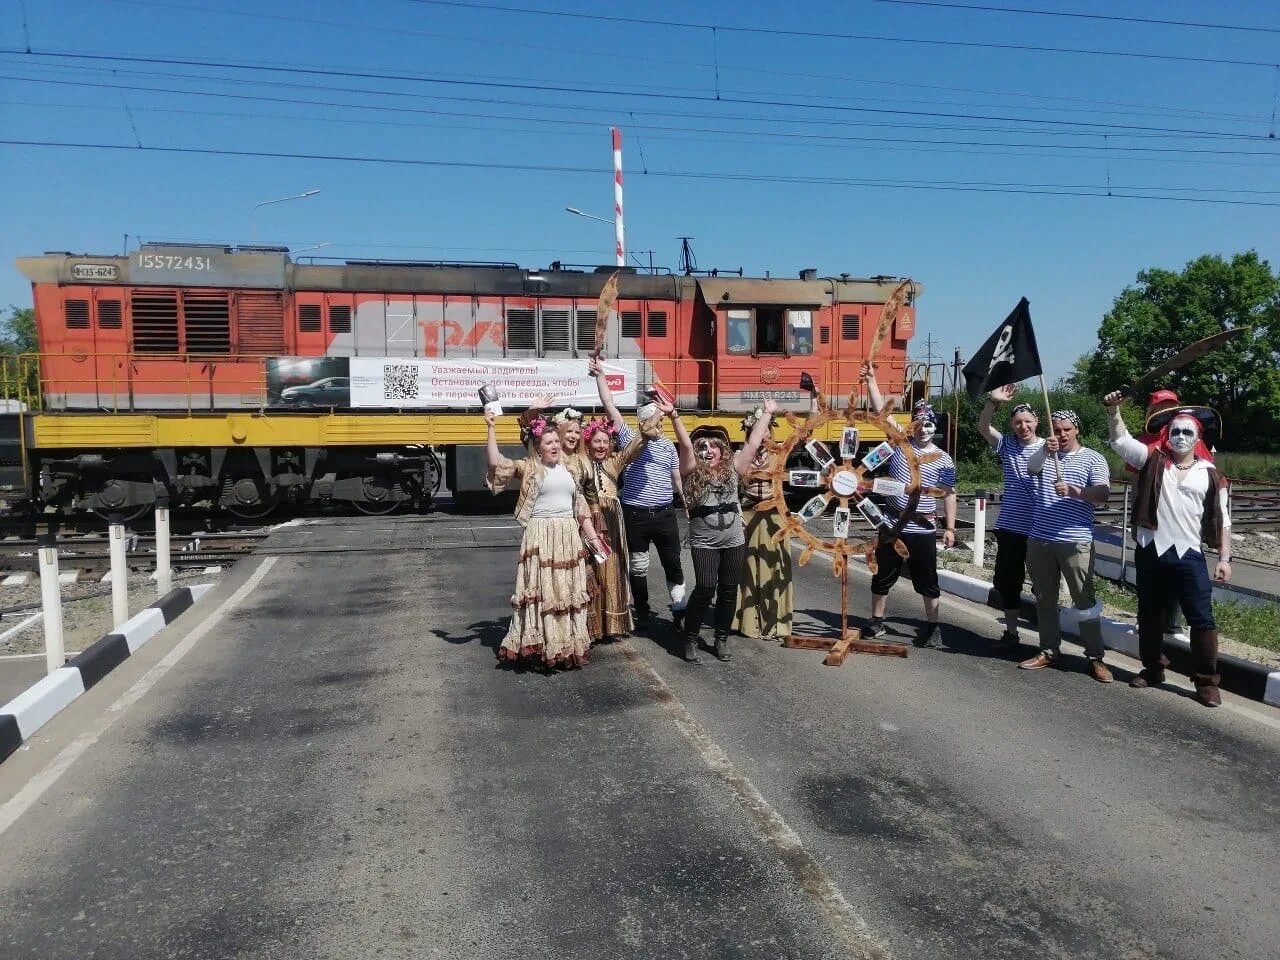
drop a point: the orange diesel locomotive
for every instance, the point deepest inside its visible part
(153, 373)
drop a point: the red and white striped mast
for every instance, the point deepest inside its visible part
(619, 233)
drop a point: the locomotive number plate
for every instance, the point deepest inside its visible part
(95, 271)
(769, 395)
(161, 261)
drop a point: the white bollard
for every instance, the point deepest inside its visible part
(119, 577)
(51, 602)
(164, 574)
(979, 528)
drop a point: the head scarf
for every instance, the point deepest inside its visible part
(1068, 415)
(1021, 408)
(924, 411)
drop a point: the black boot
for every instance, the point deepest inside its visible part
(722, 648)
(691, 649)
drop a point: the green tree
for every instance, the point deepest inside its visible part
(1166, 311)
(19, 379)
(18, 331)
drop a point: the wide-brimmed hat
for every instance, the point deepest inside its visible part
(1210, 422)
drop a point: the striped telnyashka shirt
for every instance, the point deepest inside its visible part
(647, 480)
(1017, 507)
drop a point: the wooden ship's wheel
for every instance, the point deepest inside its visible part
(846, 483)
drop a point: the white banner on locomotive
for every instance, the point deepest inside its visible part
(401, 383)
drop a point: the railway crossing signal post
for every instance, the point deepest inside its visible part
(50, 595)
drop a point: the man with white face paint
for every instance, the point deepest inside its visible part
(920, 533)
(1180, 502)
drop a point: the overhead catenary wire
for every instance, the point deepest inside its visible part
(835, 35)
(590, 129)
(600, 91)
(786, 119)
(1077, 15)
(492, 41)
(1065, 190)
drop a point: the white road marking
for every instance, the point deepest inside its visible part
(35, 788)
(845, 922)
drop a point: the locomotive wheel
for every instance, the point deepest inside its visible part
(378, 491)
(126, 515)
(252, 501)
(116, 492)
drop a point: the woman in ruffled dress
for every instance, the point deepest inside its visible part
(551, 599)
(610, 616)
(765, 594)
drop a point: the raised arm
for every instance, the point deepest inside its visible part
(868, 375)
(1134, 451)
(759, 430)
(491, 441)
(596, 369)
(684, 446)
(997, 396)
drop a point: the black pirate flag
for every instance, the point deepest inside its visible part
(1009, 355)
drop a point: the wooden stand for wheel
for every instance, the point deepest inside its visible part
(850, 640)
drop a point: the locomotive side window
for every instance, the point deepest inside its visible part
(738, 331)
(769, 329)
(799, 331)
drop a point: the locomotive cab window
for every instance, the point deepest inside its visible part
(738, 331)
(799, 332)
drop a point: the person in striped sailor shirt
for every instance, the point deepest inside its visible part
(920, 533)
(1016, 503)
(648, 507)
(1067, 481)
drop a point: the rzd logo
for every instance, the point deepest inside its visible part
(615, 381)
(456, 336)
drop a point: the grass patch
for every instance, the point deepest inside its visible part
(1258, 624)
(1255, 624)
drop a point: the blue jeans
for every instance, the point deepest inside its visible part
(1165, 575)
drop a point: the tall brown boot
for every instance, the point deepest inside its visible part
(1205, 676)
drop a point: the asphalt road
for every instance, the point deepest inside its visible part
(339, 769)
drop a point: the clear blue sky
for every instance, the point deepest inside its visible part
(975, 252)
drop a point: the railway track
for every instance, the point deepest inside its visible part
(89, 556)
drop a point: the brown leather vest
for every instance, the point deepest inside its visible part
(1146, 499)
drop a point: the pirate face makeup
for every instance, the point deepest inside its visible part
(711, 452)
(925, 430)
(1183, 434)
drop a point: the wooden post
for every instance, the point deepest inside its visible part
(1057, 466)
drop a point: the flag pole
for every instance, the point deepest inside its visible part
(1057, 464)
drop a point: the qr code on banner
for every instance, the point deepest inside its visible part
(400, 381)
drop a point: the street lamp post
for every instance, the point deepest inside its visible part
(591, 216)
(253, 212)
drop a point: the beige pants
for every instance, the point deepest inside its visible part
(1050, 563)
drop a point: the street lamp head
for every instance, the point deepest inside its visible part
(311, 193)
(575, 210)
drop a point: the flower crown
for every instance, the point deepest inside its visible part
(534, 429)
(567, 414)
(591, 427)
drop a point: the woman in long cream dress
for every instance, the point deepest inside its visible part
(551, 598)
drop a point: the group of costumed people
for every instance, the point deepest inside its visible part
(596, 495)
(1046, 528)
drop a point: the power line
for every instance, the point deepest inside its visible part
(1031, 189)
(598, 91)
(786, 119)
(632, 57)
(592, 128)
(825, 35)
(1081, 16)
